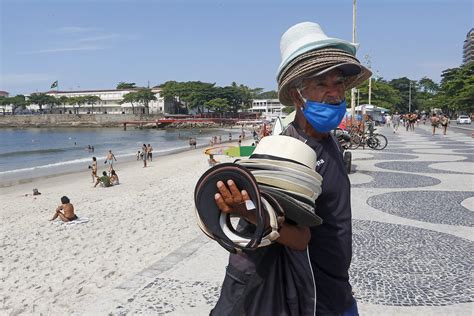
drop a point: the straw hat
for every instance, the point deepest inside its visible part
(307, 51)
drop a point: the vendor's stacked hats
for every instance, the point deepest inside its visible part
(284, 167)
(280, 179)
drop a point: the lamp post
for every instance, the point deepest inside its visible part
(353, 90)
(367, 60)
(409, 99)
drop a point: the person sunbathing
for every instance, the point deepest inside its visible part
(67, 209)
(104, 181)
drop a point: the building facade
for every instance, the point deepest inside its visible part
(468, 48)
(110, 103)
(269, 109)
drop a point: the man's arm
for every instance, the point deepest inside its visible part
(230, 201)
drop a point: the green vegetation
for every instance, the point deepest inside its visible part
(142, 96)
(455, 93)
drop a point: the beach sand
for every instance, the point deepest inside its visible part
(56, 268)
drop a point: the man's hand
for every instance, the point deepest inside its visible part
(230, 199)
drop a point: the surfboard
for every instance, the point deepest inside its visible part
(242, 151)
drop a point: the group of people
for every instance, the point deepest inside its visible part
(410, 119)
(90, 148)
(146, 154)
(439, 120)
(106, 180)
(215, 140)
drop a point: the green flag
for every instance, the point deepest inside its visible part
(54, 85)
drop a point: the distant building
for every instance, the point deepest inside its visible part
(109, 103)
(468, 48)
(269, 109)
(4, 94)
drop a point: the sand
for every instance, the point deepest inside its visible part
(56, 268)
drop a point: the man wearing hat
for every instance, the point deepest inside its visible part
(315, 72)
(313, 76)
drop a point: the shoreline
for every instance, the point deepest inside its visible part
(125, 160)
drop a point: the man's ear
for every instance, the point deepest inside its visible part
(295, 98)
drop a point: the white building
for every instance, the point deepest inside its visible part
(269, 109)
(109, 103)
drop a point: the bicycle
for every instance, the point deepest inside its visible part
(373, 140)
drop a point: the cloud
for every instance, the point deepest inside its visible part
(65, 49)
(21, 79)
(75, 29)
(97, 38)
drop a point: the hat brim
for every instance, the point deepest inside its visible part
(294, 209)
(319, 62)
(208, 211)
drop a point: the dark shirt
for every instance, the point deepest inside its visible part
(330, 247)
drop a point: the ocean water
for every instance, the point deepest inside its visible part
(38, 152)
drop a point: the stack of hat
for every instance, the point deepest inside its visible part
(284, 168)
(280, 180)
(306, 51)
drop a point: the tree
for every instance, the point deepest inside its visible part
(41, 99)
(4, 101)
(125, 85)
(457, 89)
(144, 96)
(217, 105)
(18, 101)
(92, 100)
(383, 94)
(267, 95)
(79, 101)
(63, 100)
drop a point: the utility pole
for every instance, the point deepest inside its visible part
(353, 90)
(369, 65)
(409, 99)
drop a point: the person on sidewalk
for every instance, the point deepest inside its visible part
(444, 120)
(396, 122)
(434, 122)
(313, 76)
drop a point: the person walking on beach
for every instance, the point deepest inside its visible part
(104, 181)
(145, 155)
(315, 73)
(109, 160)
(149, 151)
(94, 169)
(67, 209)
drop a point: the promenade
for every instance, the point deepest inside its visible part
(413, 237)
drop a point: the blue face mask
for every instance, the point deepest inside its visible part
(324, 117)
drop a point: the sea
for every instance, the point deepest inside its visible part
(30, 153)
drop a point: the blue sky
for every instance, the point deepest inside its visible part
(95, 44)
